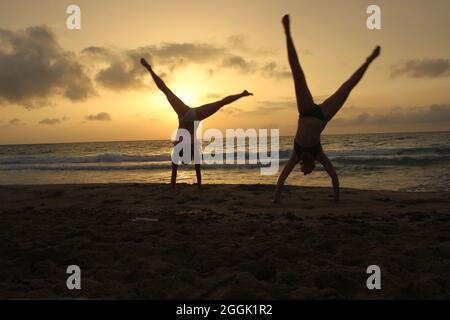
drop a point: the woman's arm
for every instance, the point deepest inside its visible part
(293, 160)
(329, 168)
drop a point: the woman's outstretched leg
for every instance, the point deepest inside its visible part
(209, 109)
(332, 105)
(304, 97)
(176, 103)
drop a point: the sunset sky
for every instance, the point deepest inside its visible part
(60, 85)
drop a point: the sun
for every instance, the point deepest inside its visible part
(187, 94)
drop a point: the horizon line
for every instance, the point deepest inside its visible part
(148, 140)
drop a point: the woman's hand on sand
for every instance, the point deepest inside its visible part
(245, 93)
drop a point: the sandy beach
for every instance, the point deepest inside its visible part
(226, 242)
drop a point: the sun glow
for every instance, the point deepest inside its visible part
(187, 94)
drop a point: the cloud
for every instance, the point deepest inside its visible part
(50, 122)
(214, 96)
(34, 68)
(232, 110)
(428, 68)
(437, 113)
(170, 53)
(15, 122)
(53, 121)
(239, 63)
(271, 70)
(121, 69)
(237, 41)
(102, 116)
(124, 71)
(119, 75)
(268, 69)
(100, 51)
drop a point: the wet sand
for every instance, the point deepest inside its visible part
(226, 242)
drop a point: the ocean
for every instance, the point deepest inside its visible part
(396, 161)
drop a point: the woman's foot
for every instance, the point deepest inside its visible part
(286, 22)
(245, 93)
(375, 54)
(145, 64)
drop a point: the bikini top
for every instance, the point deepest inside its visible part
(314, 112)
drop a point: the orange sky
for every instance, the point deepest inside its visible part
(53, 91)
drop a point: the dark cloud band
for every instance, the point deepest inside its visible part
(102, 116)
(436, 113)
(428, 68)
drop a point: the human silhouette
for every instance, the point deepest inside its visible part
(187, 116)
(313, 118)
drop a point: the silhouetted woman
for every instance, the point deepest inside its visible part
(187, 116)
(313, 118)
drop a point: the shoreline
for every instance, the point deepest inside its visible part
(226, 242)
(440, 193)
